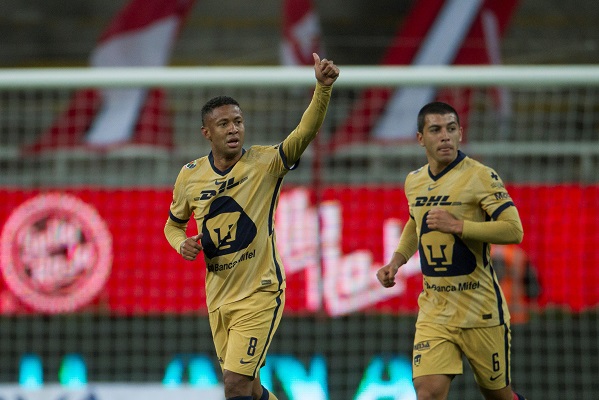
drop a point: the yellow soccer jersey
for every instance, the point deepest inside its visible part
(234, 209)
(460, 287)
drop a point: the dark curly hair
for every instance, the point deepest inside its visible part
(216, 102)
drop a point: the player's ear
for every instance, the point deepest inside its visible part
(419, 138)
(206, 133)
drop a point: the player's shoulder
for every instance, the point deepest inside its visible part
(416, 177)
(472, 163)
(484, 174)
(472, 166)
(193, 165)
(482, 170)
(256, 152)
(417, 172)
(260, 148)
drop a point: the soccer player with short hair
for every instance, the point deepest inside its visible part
(458, 207)
(232, 194)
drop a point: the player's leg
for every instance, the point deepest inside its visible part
(237, 386)
(219, 325)
(488, 352)
(502, 394)
(242, 384)
(254, 321)
(436, 360)
(260, 392)
(267, 395)
(432, 387)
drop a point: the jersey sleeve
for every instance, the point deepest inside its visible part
(494, 197)
(408, 241)
(299, 139)
(179, 214)
(504, 226)
(506, 230)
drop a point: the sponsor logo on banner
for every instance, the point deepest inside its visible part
(56, 253)
(331, 249)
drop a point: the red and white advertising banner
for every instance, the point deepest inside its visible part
(103, 250)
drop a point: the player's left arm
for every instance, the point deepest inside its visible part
(506, 229)
(504, 225)
(326, 73)
(179, 214)
(408, 245)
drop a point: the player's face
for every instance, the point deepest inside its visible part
(441, 137)
(225, 130)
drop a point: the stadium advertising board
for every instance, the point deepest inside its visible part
(109, 391)
(194, 376)
(98, 249)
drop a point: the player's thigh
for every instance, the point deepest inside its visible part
(219, 323)
(435, 351)
(488, 352)
(254, 321)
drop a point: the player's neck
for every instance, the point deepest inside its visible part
(436, 168)
(223, 163)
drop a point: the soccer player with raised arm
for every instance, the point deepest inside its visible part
(458, 207)
(232, 193)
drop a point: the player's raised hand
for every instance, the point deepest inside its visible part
(325, 70)
(191, 247)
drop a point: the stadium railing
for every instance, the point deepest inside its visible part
(535, 123)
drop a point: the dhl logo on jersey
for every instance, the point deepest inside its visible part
(222, 186)
(431, 201)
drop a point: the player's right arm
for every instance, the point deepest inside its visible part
(175, 234)
(176, 225)
(386, 274)
(408, 244)
(188, 247)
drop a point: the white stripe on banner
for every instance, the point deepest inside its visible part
(441, 45)
(120, 107)
(306, 34)
(491, 35)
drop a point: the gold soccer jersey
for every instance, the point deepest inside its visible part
(460, 287)
(234, 209)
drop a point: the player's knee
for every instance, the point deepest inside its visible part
(432, 387)
(236, 384)
(501, 394)
(426, 392)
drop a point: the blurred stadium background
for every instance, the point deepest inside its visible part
(91, 293)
